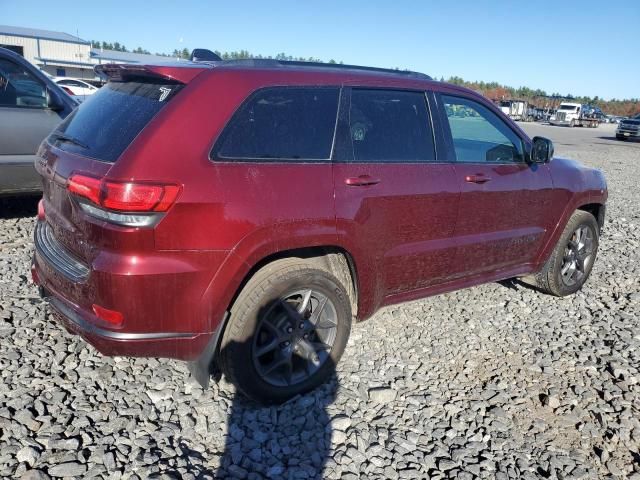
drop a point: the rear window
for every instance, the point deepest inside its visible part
(282, 123)
(104, 125)
(389, 126)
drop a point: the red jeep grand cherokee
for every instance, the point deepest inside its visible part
(242, 214)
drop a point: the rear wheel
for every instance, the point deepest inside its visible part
(572, 259)
(287, 330)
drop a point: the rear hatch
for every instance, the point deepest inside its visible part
(84, 211)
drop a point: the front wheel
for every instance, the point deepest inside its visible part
(287, 330)
(572, 259)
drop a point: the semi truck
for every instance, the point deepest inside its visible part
(576, 115)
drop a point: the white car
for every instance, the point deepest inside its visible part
(76, 87)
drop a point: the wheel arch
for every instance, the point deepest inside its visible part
(582, 203)
(595, 209)
(332, 258)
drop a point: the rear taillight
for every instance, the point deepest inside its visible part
(67, 91)
(124, 196)
(132, 197)
(87, 187)
(142, 201)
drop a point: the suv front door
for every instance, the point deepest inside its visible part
(395, 203)
(501, 221)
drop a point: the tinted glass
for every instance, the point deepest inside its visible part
(479, 135)
(19, 88)
(282, 123)
(108, 121)
(389, 126)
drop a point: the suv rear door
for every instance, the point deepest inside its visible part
(502, 220)
(395, 203)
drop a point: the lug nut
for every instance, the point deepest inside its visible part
(289, 329)
(301, 326)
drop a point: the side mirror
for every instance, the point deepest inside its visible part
(54, 102)
(542, 151)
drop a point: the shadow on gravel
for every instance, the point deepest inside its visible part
(295, 445)
(290, 440)
(18, 207)
(517, 284)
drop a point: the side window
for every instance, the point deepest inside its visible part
(389, 126)
(479, 135)
(285, 123)
(19, 88)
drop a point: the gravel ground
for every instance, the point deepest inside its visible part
(497, 381)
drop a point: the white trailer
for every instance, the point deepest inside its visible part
(516, 109)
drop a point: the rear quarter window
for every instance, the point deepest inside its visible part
(106, 123)
(281, 123)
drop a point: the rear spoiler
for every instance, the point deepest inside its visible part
(172, 72)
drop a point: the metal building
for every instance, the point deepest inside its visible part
(64, 55)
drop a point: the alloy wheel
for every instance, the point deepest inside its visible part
(294, 337)
(578, 255)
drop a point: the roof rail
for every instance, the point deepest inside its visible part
(270, 62)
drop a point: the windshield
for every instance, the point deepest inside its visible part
(568, 107)
(105, 124)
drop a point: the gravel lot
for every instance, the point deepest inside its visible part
(496, 381)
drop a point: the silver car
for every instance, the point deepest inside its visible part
(31, 106)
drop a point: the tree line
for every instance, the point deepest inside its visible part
(185, 53)
(491, 90)
(540, 98)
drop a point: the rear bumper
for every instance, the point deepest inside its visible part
(181, 346)
(160, 296)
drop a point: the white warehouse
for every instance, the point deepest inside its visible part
(64, 55)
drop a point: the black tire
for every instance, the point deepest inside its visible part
(572, 123)
(620, 137)
(267, 287)
(550, 278)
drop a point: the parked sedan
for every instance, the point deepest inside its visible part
(76, 87)
(31, 105)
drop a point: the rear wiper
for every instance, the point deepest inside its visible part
(63, 137)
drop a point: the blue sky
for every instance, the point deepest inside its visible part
(579, 47)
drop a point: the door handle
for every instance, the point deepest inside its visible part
(476, 179)
(361, 181)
